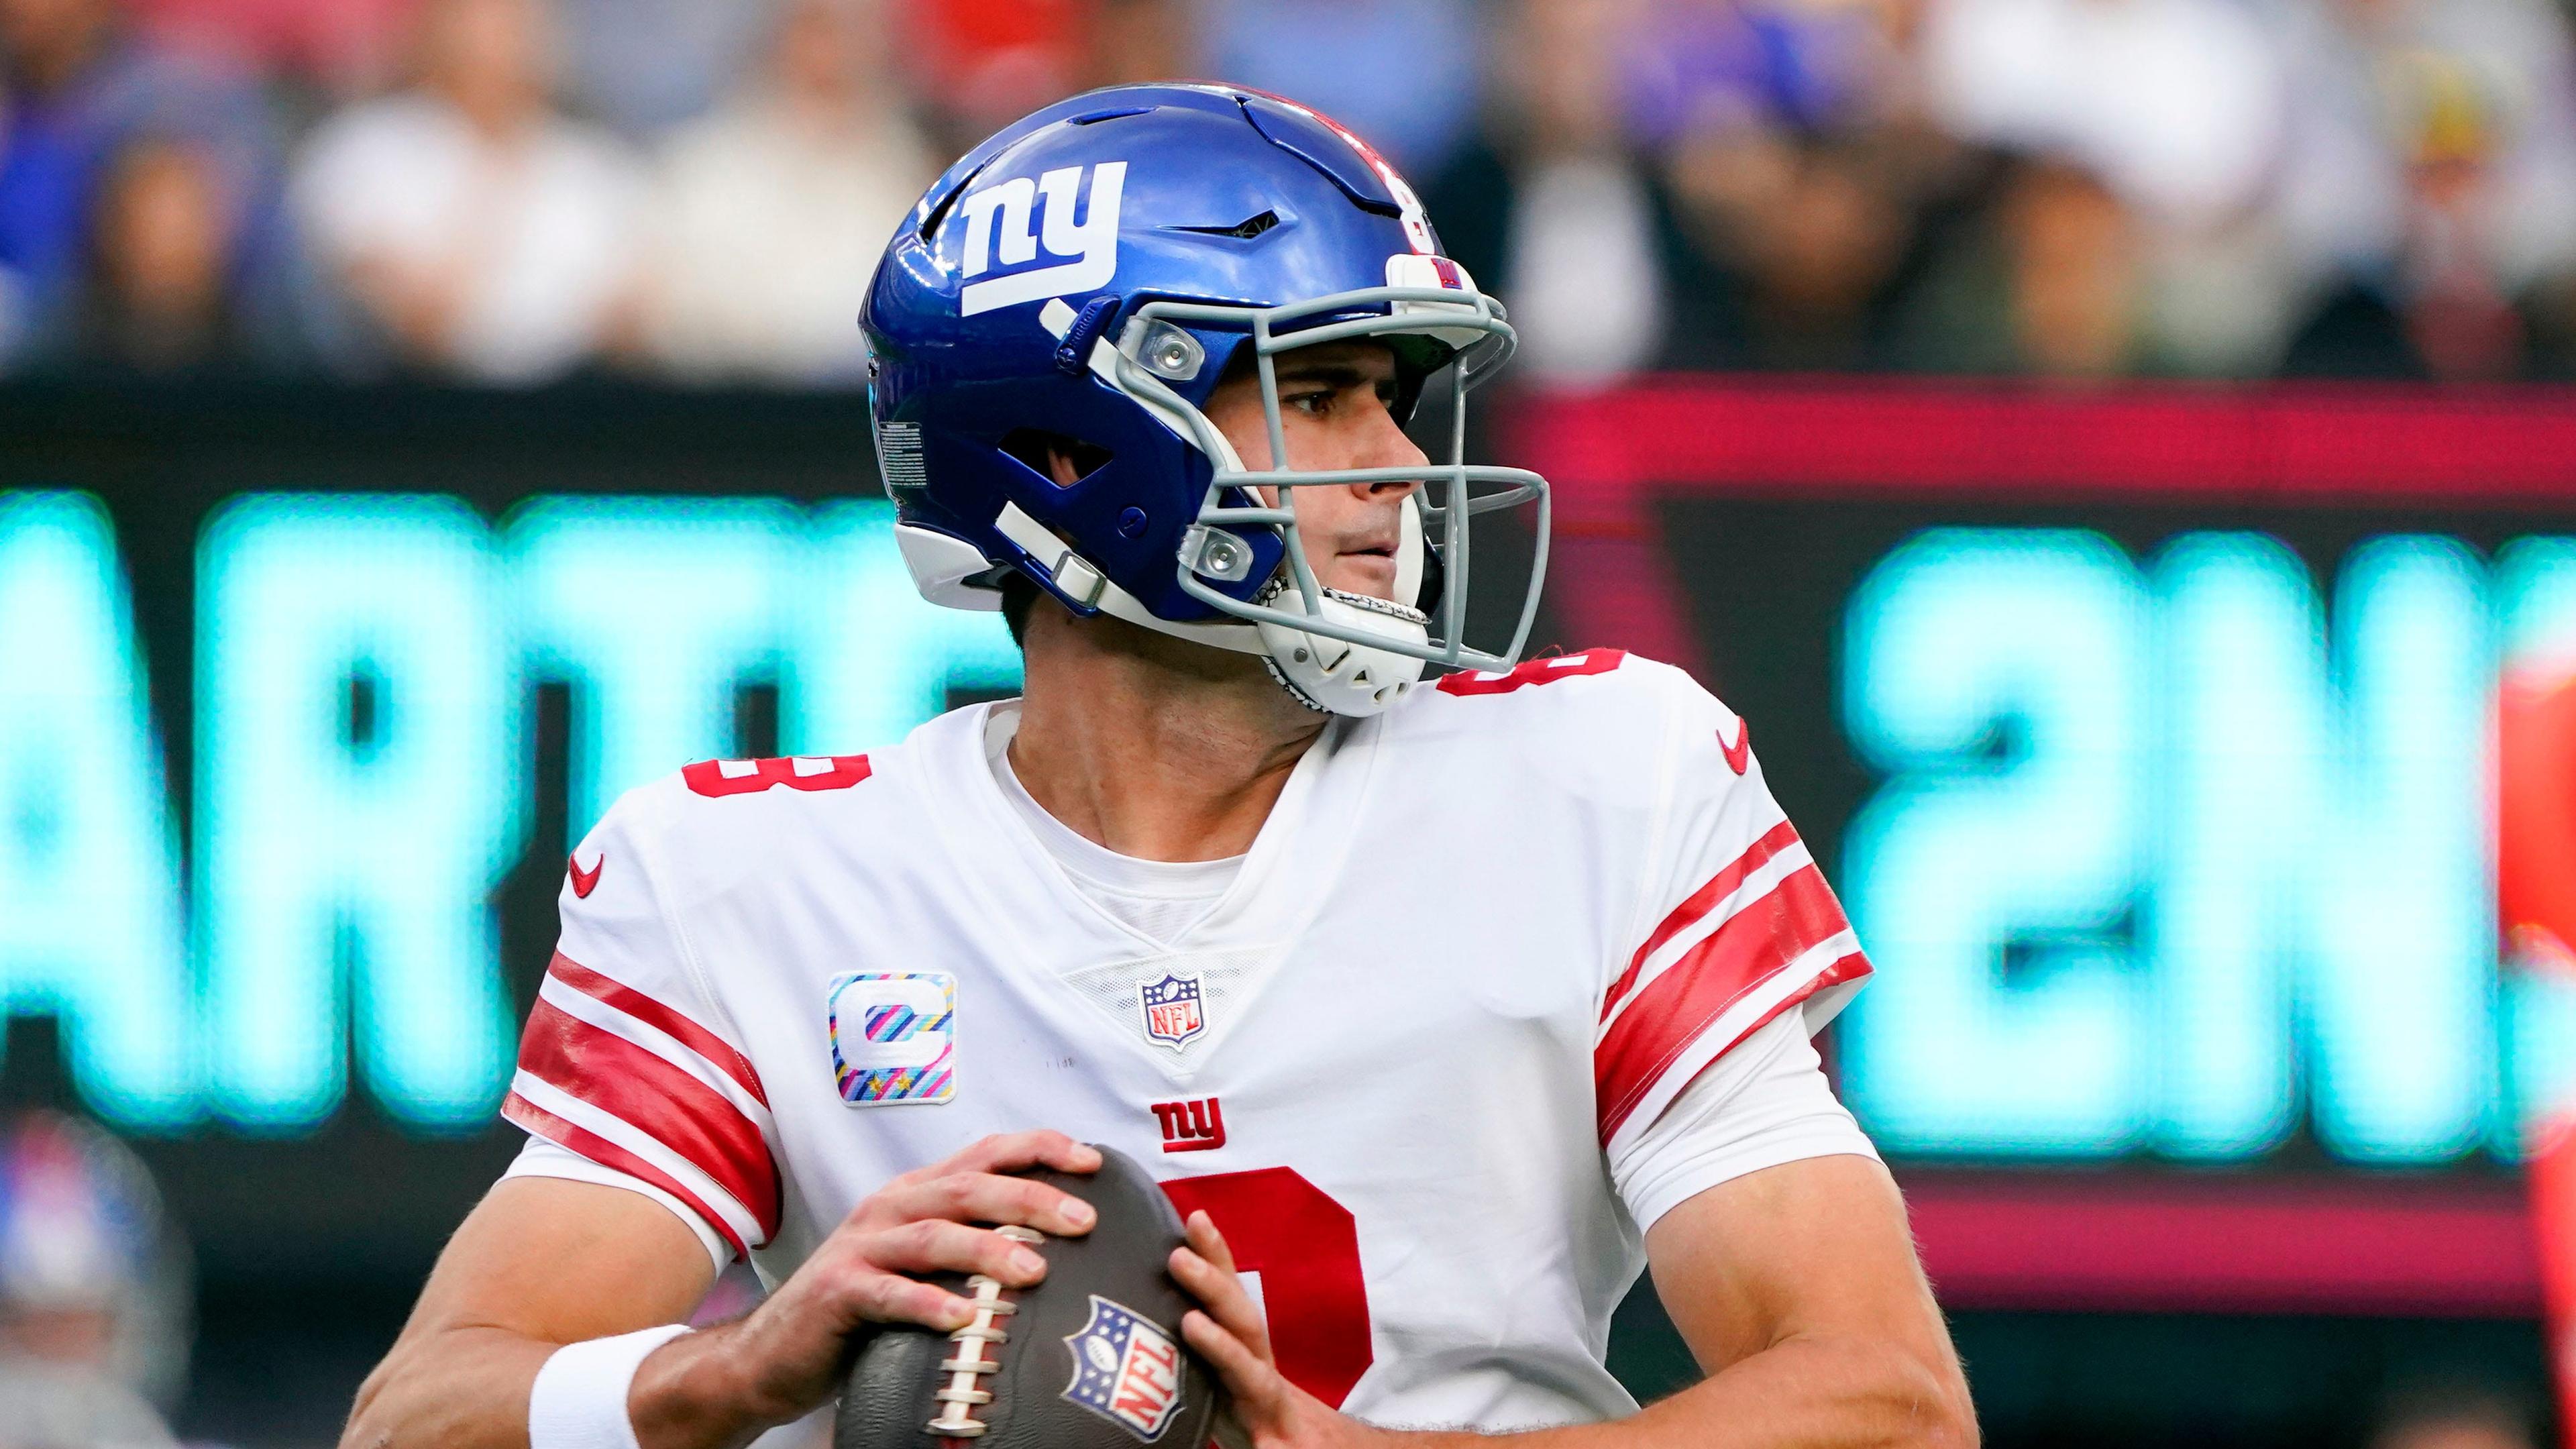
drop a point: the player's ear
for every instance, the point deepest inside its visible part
(1061, 460)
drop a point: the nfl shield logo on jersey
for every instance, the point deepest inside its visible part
(1125, 1368)
(1172, 1010)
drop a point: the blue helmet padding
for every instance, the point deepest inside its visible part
(1197, 161)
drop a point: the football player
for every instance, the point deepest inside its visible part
(1446, 1002)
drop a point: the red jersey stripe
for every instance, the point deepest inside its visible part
(1755, 944)
(1721, 885)
(656, 1098)
(608, 1154)
(1848, 969)
(718, 1052)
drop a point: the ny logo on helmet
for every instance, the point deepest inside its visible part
(1085, 255)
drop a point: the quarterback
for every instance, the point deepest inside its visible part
(1446, 992)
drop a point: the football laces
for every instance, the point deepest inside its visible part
(961, 1395)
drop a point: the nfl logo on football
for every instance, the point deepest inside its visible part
(1172, 1013)
(1125, 1368)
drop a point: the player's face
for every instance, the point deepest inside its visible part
(1334, 412)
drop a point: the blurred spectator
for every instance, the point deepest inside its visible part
(774, 210)
(79, 87)
(2052, 286)
(186, 269)
(982, 64)
(486, 235)
(1549, 208)
(93, 1300)
(645, 65)
(1806, 170)
(343, 47)
(1401, 73)
(2433, 186)
(2178, 107)
(2174, 104)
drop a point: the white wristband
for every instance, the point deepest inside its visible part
(579, 1399)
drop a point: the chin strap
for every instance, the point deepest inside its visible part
(1079, 580)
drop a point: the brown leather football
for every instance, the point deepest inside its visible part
(1090, 1358)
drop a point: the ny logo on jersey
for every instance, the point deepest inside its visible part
(1191, 1126)
(1172, 1014)
(1083, 256)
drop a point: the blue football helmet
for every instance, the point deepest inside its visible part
(1087, 277)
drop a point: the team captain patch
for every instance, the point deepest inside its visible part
(894, 1037)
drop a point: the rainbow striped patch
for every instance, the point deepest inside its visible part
(894, 1037)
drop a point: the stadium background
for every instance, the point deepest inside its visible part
(2107, 448)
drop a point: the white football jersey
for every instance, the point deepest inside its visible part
(1480, 944)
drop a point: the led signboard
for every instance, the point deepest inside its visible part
(2157, 742)
(2161, 857)
(2151, 739)
(364, 671)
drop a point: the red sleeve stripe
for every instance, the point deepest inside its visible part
(634, 1003)
(657, 1099)
(556, 1130)
(1709, 906)
(1690, 912)
(1835, 984)
(1796, 919)
(546, 1098)
(556, 992)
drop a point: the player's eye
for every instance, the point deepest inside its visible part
(1313, 402)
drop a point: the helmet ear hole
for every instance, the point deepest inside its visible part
(1061, 460)
(1417, 361)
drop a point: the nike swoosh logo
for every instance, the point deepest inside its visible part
(1738, 755)
(586, 881)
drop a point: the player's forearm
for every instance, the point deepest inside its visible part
(1810, 1393)
(701, 1391)
(467, 1388)
(458, 1388)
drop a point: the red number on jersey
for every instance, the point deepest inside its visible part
(1306, 1247)
(718, 778)
(1533, 671)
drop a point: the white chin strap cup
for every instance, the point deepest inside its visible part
(1355, 680)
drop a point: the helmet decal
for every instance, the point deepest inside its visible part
(996, 220)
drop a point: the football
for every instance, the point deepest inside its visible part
(1090, 1358)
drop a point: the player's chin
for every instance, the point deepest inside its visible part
(1368, 574)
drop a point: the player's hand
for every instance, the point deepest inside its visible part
(790, 1351)
(1228, 1331)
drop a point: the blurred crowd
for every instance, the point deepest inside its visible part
(94, 1292)
(507, 192)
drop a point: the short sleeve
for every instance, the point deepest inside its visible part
(1763, 1104)
(625, 1061)
(541, 1158)
(1735, 927)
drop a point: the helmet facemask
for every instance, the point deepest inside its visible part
(1342, 652)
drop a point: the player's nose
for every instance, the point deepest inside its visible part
(1383, 443)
